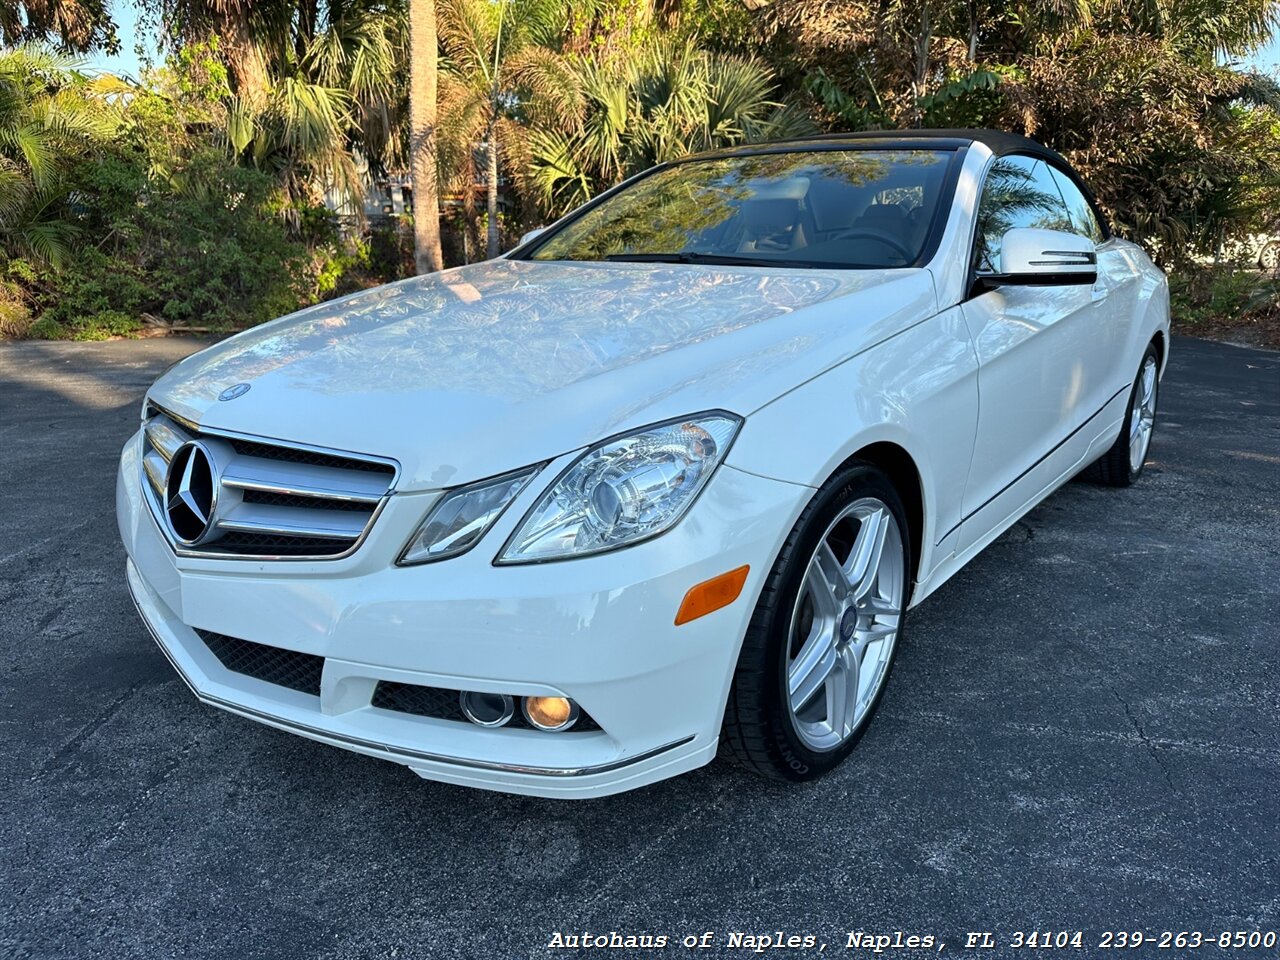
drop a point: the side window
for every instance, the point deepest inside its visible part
(1083, 219)
(1019, 192)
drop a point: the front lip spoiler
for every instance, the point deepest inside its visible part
(400, 753)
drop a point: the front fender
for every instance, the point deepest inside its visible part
(918, 390)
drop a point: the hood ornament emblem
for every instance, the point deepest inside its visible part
(191, 494)
(233, 391)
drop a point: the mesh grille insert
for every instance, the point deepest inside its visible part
(251, 448)
(277, 545)
(286, 668)
(415, 699)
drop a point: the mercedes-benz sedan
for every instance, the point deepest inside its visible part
(663, 481)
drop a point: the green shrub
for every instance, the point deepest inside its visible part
(1214, 296)
(206, 247)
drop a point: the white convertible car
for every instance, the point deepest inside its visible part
(663, 481)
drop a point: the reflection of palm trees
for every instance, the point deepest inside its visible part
(544, 326)
(682, 208)
(1011, 198)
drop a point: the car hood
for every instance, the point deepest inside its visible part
(479, 370)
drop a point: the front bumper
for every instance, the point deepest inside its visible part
(599, 630)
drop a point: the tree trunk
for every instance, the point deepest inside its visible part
(495, 242)
(973, 31)
(422, 136)
(244, 61)
(919, 84)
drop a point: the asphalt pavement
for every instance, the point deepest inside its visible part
(1081, 734)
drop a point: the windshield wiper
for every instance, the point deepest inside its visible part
(719, 259)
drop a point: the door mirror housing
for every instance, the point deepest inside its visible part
(1042, 258)
(531, 234)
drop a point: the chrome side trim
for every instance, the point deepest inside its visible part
(155, 467)
(403, 754)
(293, 529)
(164, 439)
(266, 477)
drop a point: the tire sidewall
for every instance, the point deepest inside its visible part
(856, 482)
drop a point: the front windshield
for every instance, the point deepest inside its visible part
(828, 208)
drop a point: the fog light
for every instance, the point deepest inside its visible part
(487, 709)
(550, 713)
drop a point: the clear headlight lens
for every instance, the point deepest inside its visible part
(462, 516)
(624, 490)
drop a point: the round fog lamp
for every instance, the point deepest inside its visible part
(550, 713)
(486, 709)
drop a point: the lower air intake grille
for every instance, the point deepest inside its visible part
(422, 701)
(286, 668)
(443, 705)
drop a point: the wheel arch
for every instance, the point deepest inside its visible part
(901, 469)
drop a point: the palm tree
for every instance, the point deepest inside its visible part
(503, 75)
(669, 100)
(50, 117)
(79, 25)
(314, 89)
(422, 135)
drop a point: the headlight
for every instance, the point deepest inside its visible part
(462, 516)
(624, 490)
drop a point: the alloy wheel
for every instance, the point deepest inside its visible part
(845, 623)
(1143, 417)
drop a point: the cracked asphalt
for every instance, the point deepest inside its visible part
(1080, 734)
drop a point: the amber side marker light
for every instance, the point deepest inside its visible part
(710, 595)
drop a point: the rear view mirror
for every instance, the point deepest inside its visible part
(1043, 258)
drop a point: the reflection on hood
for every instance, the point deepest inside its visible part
(518, 328)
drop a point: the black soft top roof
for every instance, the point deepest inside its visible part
(997, 141)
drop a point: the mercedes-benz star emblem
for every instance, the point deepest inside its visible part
(233, 391)
(191, 493)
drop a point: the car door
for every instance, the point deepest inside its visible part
(1115, 294)
(1042, 365)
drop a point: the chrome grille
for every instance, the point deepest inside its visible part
(274, 500)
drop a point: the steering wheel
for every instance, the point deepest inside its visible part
(887, 239)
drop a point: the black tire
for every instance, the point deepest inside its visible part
(759, 731)
(1113, 468)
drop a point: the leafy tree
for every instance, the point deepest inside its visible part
(50, 118)
(503, 76)
(312, 92)
(667, 100)
(1139, 95)
(73, 25)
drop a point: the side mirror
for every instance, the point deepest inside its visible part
(531, 234)
(1043, 258)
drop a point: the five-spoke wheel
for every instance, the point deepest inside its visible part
(844, 623)
(1122, 464)
(1142, 416)
(821, 644)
